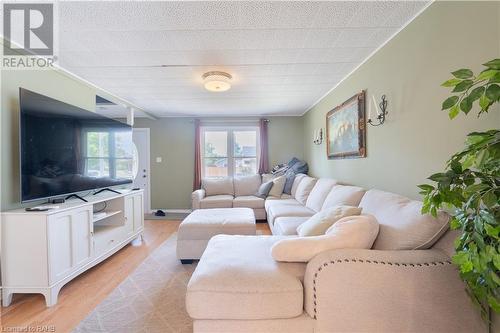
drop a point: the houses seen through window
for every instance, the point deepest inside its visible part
(229, 151)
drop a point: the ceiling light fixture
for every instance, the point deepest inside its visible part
(216, 81)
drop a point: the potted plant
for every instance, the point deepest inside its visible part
(469, 187)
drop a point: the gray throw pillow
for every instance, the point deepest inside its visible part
(264, 189)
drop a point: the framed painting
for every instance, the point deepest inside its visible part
(346, 129)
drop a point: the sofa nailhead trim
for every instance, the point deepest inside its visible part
(320, 268)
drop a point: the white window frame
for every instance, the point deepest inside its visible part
(230, 146)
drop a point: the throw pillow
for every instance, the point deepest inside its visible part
(266, 177)
(290, 176)
(278, 184)
(351, 232)
(319, 223)
(264, 189)
(304, 188)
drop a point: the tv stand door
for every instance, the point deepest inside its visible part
(70, 242)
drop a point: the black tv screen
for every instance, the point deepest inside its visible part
(66, 149)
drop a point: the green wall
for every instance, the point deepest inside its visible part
(172, 139)
(52, 83)
(417, 138)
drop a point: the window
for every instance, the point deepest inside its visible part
(107, 155)
(229, 151)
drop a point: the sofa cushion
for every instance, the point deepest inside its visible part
(249, 201)
(402, 226)
(246, 185)
(352, 232)
(296, 181)
(277, 189)
(288, 209)
(237, 278)
(343, 195)
(267, 177)
(287, 225)
(270, 201)
(217, 201)
(319, 223)
(319, 192)
(305, 187)
(216, 186)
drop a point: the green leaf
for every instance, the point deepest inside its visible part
(449, 102)
(454, 224)
(439, 177)
(495, 79)
(476, 93)
(426, 187)
(496, 261)
(493, 92)
(454, 111)
(451, 82)
(484, 102)
(494, 303)
(476, 188)
(487, 74)
(456, 166)
(491, 231)
(489, 199)
(495, 64)
(463, 86)
(463, 73)
(466, 105)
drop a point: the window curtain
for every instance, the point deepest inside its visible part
(197, 156)
(264, 154)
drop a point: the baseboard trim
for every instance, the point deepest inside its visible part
(172, 211)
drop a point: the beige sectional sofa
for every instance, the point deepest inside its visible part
(405, 283)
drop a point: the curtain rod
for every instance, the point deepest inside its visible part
(222, 120)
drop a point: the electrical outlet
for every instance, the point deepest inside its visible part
(158, 160)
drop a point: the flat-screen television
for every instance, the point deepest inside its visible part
(65, 149)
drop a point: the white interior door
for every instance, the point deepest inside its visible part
(143, 178)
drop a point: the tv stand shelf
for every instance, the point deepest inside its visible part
(104, 215)
(65, 241)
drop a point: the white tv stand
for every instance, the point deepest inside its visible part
(42, 251)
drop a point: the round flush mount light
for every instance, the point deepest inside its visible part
(216, 81)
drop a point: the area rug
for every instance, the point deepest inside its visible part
(150, 300)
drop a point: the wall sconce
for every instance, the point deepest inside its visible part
(381, 114)
(318, 137)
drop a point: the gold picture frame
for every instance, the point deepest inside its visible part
(346, 129)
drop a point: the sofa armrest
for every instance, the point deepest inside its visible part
(196, 198)
(388, 291)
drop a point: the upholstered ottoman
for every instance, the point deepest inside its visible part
(202, 224)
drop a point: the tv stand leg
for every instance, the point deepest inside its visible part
(6, 298)
(51, 295)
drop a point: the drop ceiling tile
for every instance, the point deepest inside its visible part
(333, 14)
(372, 14)
(283, 55)
(322, 38)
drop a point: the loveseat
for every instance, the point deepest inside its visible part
(405, 283)
(230, 192)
